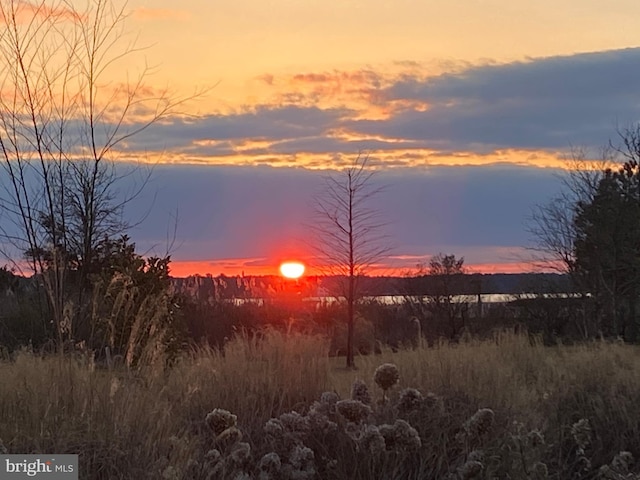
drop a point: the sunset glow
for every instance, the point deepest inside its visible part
(292, 269)
(457, 105)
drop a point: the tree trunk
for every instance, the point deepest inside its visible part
(352, 287)
(350, 322)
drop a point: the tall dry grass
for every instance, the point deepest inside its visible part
(134, 424)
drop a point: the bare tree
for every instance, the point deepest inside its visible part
(62, 118)
(447, 274)
(552, 224)
(349, 234)
(434, 292)
(577, 231)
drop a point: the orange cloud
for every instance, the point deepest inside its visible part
(391, 158)
(359, 90)
(25, 12)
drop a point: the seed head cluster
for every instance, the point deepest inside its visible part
(329, 398)
(241, 453)
(622, 462)
(386, 376)
(274, 428)
(269, 466)
(311, 443)
(581, 433)
(360, 392)
(219, 420)
(354, 410)
(540, 471)
(409, 401)
(295, 423)
(480, 423)
(230, 436)
(400, 436)
(372, 440)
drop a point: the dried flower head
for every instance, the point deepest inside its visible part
(372, 441)
(410, 400)
(388, 432)
(274, 428)
(330, 398)
(581, 432)
(230, 436)
(540, 471)
(353, 430)
(407, 437)
(219, 420)
(353, 410)
(400, 436)
(326, 405)
(480, 423)
(269, 466)
(321, 408)
(320, 423)
(301, 457)
(622, 462)
(360, 392)
(241, 453)
(386, 376)
(434, 403)
(295, 423)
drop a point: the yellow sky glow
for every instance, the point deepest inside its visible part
(335, 65)
(202, 42)
(327, 55)
(389, 159)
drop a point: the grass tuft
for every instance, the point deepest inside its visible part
(507, 408)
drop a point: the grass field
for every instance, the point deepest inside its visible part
(504, 408)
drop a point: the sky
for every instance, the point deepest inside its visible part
(467, 110)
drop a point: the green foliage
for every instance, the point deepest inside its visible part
(22, 308)
(607, 248)
(119, 300)
(132, 310)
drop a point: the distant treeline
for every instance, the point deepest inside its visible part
(210, 288)
(202, 309)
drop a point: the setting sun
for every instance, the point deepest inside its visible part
(292, 269)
